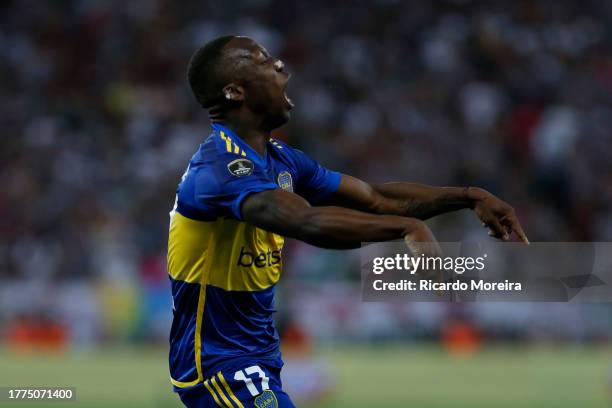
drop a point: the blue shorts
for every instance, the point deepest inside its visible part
(239, 384)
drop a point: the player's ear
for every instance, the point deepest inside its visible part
(233, 92)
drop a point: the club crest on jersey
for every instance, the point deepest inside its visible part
(266, 399)
(240, 167)
(285, 181)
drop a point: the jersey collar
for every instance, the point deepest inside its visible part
(251, 153)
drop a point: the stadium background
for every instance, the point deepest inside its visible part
(98, 123)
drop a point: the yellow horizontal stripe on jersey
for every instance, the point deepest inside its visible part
(244, 257)
(188, 247)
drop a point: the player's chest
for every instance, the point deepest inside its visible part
(282, 174)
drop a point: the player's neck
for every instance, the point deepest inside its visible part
(252, 133)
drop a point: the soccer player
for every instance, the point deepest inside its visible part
(242, 193)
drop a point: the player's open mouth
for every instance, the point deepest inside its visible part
(288, 101)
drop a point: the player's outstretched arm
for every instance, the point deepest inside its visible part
(290, 215)
(423, 202)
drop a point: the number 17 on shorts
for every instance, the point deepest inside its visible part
(255, 385)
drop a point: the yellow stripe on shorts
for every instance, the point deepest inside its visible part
(229, 390)
(221, 393)
(213, 393)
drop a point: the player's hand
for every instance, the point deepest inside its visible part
(497, 215)
(421, 241)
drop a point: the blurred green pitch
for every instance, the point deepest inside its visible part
(398, 376)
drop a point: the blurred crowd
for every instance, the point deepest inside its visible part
(99, 123)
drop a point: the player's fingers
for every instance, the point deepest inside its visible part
(512, 223)
(518, 230)
(506, 225)
(498, 230)
(493, 234)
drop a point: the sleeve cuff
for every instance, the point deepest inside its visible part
(330, 187)
(235, 208)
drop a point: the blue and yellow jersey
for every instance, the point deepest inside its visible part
(223, 270)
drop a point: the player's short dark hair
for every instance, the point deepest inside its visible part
(203, 71)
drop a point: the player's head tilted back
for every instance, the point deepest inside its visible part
(236, 78)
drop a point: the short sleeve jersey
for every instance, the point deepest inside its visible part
(223, 270)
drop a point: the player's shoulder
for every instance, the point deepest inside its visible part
(283, 147)
(217, 150)
(220, 144)
(296, 158)
(279, 144)
(287, 151)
